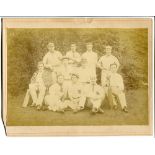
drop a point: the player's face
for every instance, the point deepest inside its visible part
(89, 47)
(60, 79)
(113, 68)
(73, 47)
(74, 79)
(51, 47)
(108, 50)
(40, 67)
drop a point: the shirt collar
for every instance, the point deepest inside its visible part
(53, 52)
(90, 51)
(108, 56)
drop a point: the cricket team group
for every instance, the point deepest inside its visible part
(74, 81)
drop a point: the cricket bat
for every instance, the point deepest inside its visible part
(110, 97)
(26, 99)
(109, 93)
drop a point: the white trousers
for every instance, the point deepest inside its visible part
(120, 95)
(37, 97)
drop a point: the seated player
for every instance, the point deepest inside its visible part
(75, 92)
(117, 87)
(36, 88)
(94, 94)
(57, 94)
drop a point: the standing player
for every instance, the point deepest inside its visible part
(52, 61)
(91, 58)
(84, 72)
(74, 56)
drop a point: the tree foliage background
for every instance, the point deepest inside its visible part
(28, 46)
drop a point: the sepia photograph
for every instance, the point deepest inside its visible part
(77, 76)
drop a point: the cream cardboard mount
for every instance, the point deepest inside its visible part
(22, 36)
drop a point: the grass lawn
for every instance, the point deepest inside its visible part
(137, 106)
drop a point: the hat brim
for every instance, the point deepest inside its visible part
(75, 75)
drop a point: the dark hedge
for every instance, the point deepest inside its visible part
(28, 46)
